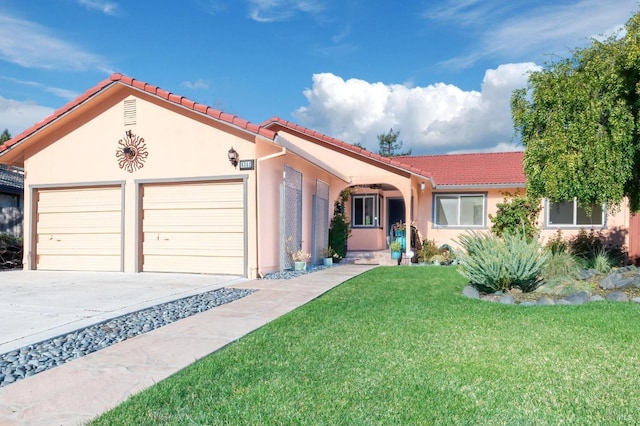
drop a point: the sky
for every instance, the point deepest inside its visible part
(440, 72)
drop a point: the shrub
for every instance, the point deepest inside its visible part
(557, 244)
(339, 229)
(593, 253)
(586, 244)
(560, 265)
(427, 251)
(516, 214)
(494, 264)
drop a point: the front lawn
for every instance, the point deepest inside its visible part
(400, 345)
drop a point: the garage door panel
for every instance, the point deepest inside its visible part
(79, 263)
(77, 244)
(198, 265)
(193, 244)
(195, 228)
(79, 223)
(212, 217)
(193, 196)
(79, 229)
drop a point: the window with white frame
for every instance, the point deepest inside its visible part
(459, 210)
(569, 213)
(365, 210)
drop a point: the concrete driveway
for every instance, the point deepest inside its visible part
(38, 305)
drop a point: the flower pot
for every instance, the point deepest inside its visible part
(396, 254)
(299, 266)
(327, 261)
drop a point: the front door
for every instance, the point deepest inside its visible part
(395, 213)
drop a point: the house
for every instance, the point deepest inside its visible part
(130, 177)
(11, 200)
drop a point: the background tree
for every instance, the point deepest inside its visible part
(389, 145)
(359, 145)
(5, 136)
(578, 121)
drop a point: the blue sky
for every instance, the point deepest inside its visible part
(441, 72)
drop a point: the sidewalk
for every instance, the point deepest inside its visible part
(78, 391)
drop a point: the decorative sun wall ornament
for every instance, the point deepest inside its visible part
(132, 152)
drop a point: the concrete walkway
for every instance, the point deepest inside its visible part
(78, 391)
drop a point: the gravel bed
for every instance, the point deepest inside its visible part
(290, 273)
(33, 359)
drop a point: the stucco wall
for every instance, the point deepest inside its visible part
(180, 145)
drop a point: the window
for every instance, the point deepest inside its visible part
(366, 210)
(569, 213)
(459, 209)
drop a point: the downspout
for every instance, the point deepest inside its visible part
(283, 151)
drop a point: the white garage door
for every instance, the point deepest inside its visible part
(194, 227)
(79, 229)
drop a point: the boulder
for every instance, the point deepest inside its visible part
(617, 296)
(578, 298)
(471, 292)
(545, 300)
(507, 300)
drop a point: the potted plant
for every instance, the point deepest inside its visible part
(300, 259)
(328, 256)
(396, 249)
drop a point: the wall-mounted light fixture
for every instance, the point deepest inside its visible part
(233, 157)
(422, 186)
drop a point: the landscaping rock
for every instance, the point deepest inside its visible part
(32, 359)
(507, 300)
(609, 282)
(471, 292)
(596, 298)
(565, 302)
(586, 274)
(545, 300)
(578, 298)
(617, 296)
(625, 283)
(636, 300)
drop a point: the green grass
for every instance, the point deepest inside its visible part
(400, 345)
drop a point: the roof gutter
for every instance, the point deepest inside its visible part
(482, 186)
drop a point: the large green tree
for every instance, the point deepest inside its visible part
(390, 145)
(5, 136)
(578, 119)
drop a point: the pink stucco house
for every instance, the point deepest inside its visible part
(130, 177)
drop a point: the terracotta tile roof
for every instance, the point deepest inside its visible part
(483, 169)
(118, 78)
(336, 143)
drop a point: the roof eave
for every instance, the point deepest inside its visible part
(518, 185)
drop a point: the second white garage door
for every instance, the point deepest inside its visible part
(194, 227)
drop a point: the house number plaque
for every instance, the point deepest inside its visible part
(247, 164)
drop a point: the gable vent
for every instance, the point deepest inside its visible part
(130, 112)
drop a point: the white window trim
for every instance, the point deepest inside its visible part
(377, 207)
(573, 225)
(434, 212)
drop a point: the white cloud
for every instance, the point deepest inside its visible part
(502, 32)
(17, 116)
(32, 46)
(437, 118)
(106, 7)
(282, 10)
(198, 84)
